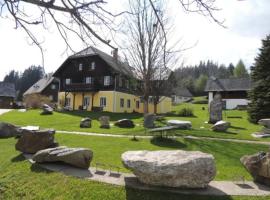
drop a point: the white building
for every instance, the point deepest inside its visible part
(233, 91)
(181, 95)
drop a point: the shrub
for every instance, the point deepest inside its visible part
(202, 101)
(36, 101)
(186, 112)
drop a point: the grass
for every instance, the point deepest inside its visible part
(69, 121)
(20, 180)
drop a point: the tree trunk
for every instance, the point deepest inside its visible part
(145, 106)
(155, 108)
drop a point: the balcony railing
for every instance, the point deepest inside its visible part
(79, 86)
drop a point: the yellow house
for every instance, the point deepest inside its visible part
(93, 80)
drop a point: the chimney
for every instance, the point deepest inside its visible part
(115, 54)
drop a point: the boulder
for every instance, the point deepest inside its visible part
(86, 123)
(33, 141)
(149, 120)
(124, 123)
(78, 157)
(258, 166)
(8, 130)
(179, 124)
(265, 123)
(104, 122)
(46, 110)
(221, 126)
(187, 169)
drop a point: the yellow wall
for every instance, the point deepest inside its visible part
(111, 96)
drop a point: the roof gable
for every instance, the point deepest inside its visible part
(230, 84)
(183, 92)
(7, 90)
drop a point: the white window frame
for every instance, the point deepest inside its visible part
(68, 81)
(103, 102)
(80, 67)
(122, 103)
(53, 86)
(127, 84)
(93, 65)
(128, 103)
(107, 80)
(89, 80)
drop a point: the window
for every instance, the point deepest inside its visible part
(53, 86)
(127, 83)
(102, 101)
(67, 103)
(128, 103)
(80, 66)
(51, 97)
(89, 80)
(68, 81)
(120, 82)
(93, 66)
(137, 104)
(86, 102)
(107, 80)
(122, 103)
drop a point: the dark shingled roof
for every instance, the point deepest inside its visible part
(230, 84)
(183, 92)
(7, 90)
(40, 85)
(115, 64)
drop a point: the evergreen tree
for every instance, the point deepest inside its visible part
(259, 107)
(231, 69)
(240, 70)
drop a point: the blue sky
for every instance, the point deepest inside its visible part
(247, 23)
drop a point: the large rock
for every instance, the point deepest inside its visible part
(104, 122)
(179, 124)
(78, 157)
(188, 169)
(149, 120)
(221, 126)
(85, 123)
(265, 123)
(258, 165)
(33, 141)
(215, 109)
(8, 130)
(124, 123)
(46, 110)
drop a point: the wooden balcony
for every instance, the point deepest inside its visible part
(73, 87)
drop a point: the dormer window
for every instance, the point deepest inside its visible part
(107, 80)
(80, 67)
(93, 66)
(89, 80)
(68, 81)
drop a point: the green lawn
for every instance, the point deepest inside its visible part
(69, 121)
(20, 180)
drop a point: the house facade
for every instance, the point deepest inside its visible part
(7, 95)
(47, 86)
(234, 91)
(181, 95)
(93, 80)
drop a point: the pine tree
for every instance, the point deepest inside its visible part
(259, 107)
(240, 70)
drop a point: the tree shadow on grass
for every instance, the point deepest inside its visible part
(18, 158)
(167, 142)
(238, 128)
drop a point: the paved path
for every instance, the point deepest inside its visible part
(2, 111)
(147, 136)
(215, 188)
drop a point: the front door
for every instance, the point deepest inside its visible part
(86, 102)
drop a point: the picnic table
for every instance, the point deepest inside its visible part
(163, 130)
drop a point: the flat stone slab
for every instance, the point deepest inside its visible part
(215, 188)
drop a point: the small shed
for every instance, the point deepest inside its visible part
(234, 91)
(181, 95)
(7, 95)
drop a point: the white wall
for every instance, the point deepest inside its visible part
(210, 97)
(233, 103)
(179, 99)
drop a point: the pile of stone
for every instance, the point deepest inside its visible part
(221, 126)
(86, 123)
(124, 123)
(46, 110)
(149, 120)
(179, 124)
(104, 122)
(258, 165)
(187, 169)
(265, 132)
